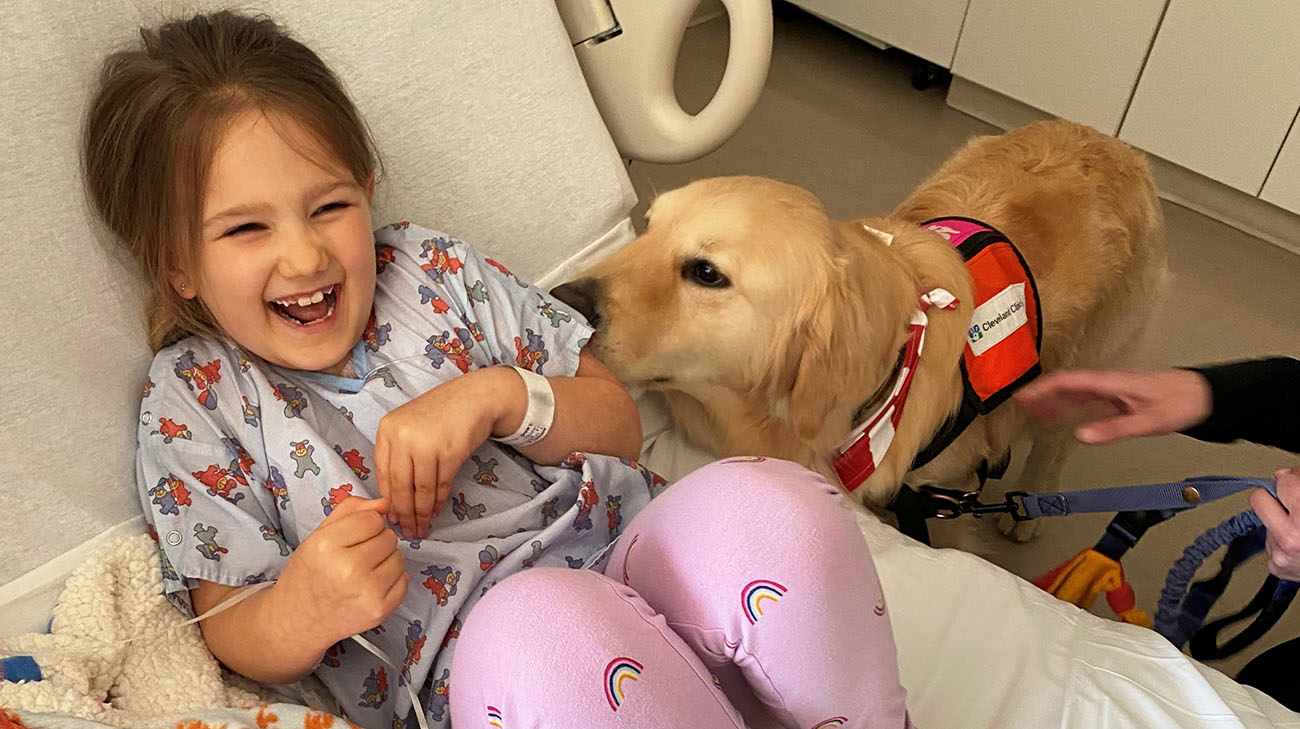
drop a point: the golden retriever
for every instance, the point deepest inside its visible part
(767, 324)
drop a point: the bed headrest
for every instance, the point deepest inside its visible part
(486, 130)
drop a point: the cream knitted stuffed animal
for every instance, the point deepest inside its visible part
(117, 652)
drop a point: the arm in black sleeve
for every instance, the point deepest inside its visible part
(1255, 400)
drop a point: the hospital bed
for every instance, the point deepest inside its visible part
(488, 128)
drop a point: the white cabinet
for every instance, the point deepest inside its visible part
(925, 28)
(1212, 86)
(1220, 89)
(1077, 59)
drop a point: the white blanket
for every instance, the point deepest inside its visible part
(980, 647)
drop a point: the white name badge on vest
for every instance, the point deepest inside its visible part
(995, 319)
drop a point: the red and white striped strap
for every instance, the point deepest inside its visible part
(867, 444)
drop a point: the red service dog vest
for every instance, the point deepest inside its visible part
(1001, 354)
(1005, 332)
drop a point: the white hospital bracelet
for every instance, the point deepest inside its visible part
(540, 414)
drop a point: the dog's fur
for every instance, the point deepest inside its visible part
(817, 309)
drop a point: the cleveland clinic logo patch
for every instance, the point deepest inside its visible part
(995, 319)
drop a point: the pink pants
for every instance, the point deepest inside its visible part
(749, 569)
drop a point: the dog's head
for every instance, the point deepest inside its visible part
(737, 283)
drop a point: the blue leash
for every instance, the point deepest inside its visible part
(1172, 496)
(1181, 612)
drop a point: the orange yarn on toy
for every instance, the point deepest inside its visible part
(1089, 573)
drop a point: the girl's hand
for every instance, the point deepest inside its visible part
(1283, 523)
(347, 576)
(1119, 404)
(421, 445)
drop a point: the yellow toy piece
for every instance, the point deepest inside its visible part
(1089, 573)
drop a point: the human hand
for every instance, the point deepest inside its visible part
(1118, 404)
(347, 576)
(420, 445)
(1283, 523)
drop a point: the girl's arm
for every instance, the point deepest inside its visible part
(345, 578)
(420, 445)
(258, 638)
(593, 414)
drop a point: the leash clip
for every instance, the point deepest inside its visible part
(1015, 505)
(949, 503)
(952, 503)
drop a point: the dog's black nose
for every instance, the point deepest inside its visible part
(581, 294)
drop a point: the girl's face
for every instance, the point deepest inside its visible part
(286, 264)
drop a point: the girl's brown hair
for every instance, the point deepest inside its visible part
(156, 118)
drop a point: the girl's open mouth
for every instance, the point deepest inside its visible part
(308, 309)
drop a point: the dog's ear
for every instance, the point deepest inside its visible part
(798, 377)
(840, 338)
(817, 384)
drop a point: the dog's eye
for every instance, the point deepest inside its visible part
(703, 273)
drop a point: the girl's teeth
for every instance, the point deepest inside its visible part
(315, 298)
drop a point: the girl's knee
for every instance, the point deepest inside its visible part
(760, 484)
(530, 617)
(535, 601)
(554, 642)
(733, 507)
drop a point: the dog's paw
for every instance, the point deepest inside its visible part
(1020, 531)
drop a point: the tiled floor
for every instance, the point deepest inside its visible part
(841, 118)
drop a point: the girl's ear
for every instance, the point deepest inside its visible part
(181, 283)
(370, 187)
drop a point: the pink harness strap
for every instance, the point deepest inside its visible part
(957, 230)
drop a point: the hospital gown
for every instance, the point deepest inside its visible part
(239, 460)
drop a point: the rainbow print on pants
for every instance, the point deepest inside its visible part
(617, 674)
(756, 594)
